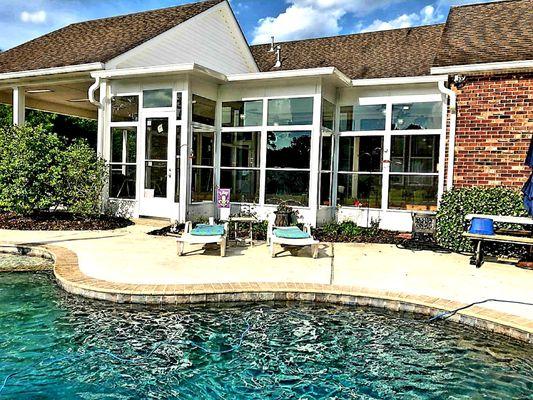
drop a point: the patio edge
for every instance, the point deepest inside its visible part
(73, 280)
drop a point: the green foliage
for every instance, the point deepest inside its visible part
(457, 203)
(350, 229)
(39, 171)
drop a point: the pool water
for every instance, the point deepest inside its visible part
(67, 347)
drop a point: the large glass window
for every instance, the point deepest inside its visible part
(179, 106)
(242, 113)
(363, 118)
(328, 114)
(361, 153)
(124, 108)
(203, 144)
(178, 165)
(122, 175)
(159, 98)
(413, 192)
(415, 153)
(417, 116)
(156, 157)
(360, 171)
(240, 165)
(326, 154)
(288, 164)
(203, 110)
(297, 111)
(289, 149)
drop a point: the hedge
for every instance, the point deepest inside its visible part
(457, 203)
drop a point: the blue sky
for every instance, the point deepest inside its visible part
(23, 20)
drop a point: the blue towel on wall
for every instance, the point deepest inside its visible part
(208, 230)
(292, 232)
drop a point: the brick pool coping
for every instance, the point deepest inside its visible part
(73, 280)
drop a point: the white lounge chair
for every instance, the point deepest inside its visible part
(275, 235)
(190, 237)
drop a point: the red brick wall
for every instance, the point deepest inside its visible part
(494, 128)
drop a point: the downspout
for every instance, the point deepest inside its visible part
(453, 122)
(94, 87)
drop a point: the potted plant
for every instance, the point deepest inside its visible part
(284, 214)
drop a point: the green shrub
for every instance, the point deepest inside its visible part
(457, 203)
(40, 172)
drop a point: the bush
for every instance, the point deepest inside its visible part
(40, 172)
(457, 203)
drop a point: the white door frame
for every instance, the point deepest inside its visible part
(159, 207)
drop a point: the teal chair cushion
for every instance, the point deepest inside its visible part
(208, 230)
(292, 232)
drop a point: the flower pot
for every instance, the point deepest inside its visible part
(282, 218)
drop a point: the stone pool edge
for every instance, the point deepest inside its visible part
(71, 279)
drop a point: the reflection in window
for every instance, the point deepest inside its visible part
(179, 106)
(202, 185)
(290, 187)
(122, 174)
(412, 192)
(326, 153)
(178, 166)
(244, 184)
(363, 118)
(202, 166)
(297, 111)
(417, 116)
(203, 146)
(157, 98)
(155, 169)
(242, 113)
(415, 153)
(288, 149)
(360, 154)
(203, 110)
(240, 149)
(359, 190)
(325, 189)
(125, 109)
(328, 114)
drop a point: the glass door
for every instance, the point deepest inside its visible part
(159, 170)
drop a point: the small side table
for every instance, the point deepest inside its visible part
(251, 221)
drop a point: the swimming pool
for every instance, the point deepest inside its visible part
(63, 346)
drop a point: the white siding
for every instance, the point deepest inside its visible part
(212, 39)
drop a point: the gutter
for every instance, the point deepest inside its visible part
(52, 71)
(453, 123)
(483, 67)
(92, 90)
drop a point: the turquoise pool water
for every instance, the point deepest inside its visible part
(67, 347)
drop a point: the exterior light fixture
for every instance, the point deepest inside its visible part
(39, 91)
(78, 100)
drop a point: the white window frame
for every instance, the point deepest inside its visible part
(387, 135)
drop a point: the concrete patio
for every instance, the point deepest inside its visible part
(130, 256)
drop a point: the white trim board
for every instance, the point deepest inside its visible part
(52, 71)
(399, 80)
(484, 67)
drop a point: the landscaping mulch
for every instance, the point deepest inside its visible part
(381, 237)
(60, 221)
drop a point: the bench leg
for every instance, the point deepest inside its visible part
(223, 247)
(314, 249)
(272, 252)
(181, 246)
(479, 254)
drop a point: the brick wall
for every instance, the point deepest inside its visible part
(494, 128)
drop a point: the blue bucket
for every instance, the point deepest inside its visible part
(482, 226)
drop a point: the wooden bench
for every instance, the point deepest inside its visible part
(510, 237)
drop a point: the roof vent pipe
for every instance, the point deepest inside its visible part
(92, 90)
(453, 122)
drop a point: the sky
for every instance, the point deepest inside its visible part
(23, 20)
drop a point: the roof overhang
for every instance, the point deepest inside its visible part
(325, 72)
(189, 68)
(36, 73)
(400, 80)
(484, 68)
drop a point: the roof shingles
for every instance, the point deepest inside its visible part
(383, 54)
(486, 33)
(98, 40)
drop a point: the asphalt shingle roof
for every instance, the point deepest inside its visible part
(383, 54)
(98, 40)
(485, 33)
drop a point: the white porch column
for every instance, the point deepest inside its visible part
(100, 138)
(316, 138)
(19, 106)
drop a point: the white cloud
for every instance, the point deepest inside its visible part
(428, 15)
(37, 17)
(312, 18)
